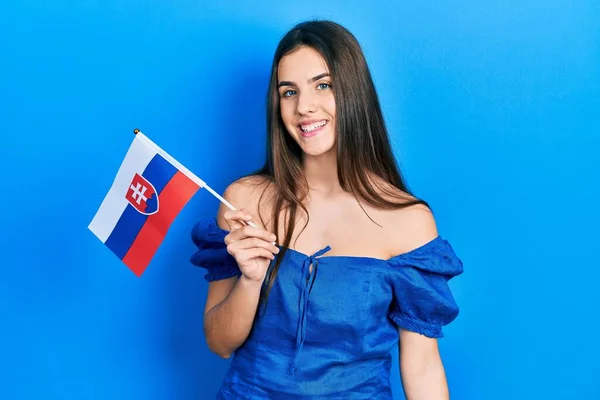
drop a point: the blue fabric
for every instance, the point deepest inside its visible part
(212, 252)
(329, 333)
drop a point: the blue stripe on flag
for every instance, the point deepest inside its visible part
(158, 172)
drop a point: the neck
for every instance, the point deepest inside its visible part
(321, 173)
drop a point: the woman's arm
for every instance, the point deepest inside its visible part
(422, 372)
(231, 303)
(421, 369)
(229, 313)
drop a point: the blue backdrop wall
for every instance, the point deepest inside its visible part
(494, 111)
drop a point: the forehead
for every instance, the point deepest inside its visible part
(301, 65)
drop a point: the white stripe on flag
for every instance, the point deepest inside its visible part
(137, 158)
(173, 161)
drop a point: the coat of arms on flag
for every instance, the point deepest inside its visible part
(148, 192)
(142, 195)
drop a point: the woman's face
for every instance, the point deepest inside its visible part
(306, 100)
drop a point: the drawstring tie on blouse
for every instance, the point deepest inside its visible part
(307, 281)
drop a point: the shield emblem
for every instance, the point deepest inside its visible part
(142, 195)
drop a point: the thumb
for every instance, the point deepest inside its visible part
(241, 219)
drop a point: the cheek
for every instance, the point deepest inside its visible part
(287, 112)
(331, 106)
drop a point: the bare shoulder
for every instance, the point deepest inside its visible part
(246, 191)
(410, 226)
(253, 193)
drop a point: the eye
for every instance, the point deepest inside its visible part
(324, 86)
(288, 93)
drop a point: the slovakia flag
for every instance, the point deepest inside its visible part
(150, 189)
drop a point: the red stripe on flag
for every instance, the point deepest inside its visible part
(172, 199)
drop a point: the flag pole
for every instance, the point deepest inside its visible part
(191, 175)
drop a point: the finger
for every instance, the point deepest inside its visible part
(237, 219)
(243, 255)
(250, 243)
(234, 245)
(256, 252)
(250, 231)
(250, 220)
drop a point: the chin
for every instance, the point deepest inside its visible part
(315, 150)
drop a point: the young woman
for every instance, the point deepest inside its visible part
(345, 263)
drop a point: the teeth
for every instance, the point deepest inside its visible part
(312, 127)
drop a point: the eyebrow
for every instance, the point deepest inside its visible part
(311, 80)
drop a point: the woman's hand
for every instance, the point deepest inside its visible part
(252, 248)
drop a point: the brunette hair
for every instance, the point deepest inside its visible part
(366, 165)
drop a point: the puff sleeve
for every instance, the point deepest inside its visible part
(211, 253)
(422, 299)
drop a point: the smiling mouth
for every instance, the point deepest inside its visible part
(312, 127)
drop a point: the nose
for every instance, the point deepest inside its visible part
(307, 103)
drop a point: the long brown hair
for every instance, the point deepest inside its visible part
(363, 146)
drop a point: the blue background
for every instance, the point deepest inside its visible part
(494, 109)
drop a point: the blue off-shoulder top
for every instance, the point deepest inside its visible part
(328, 333)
